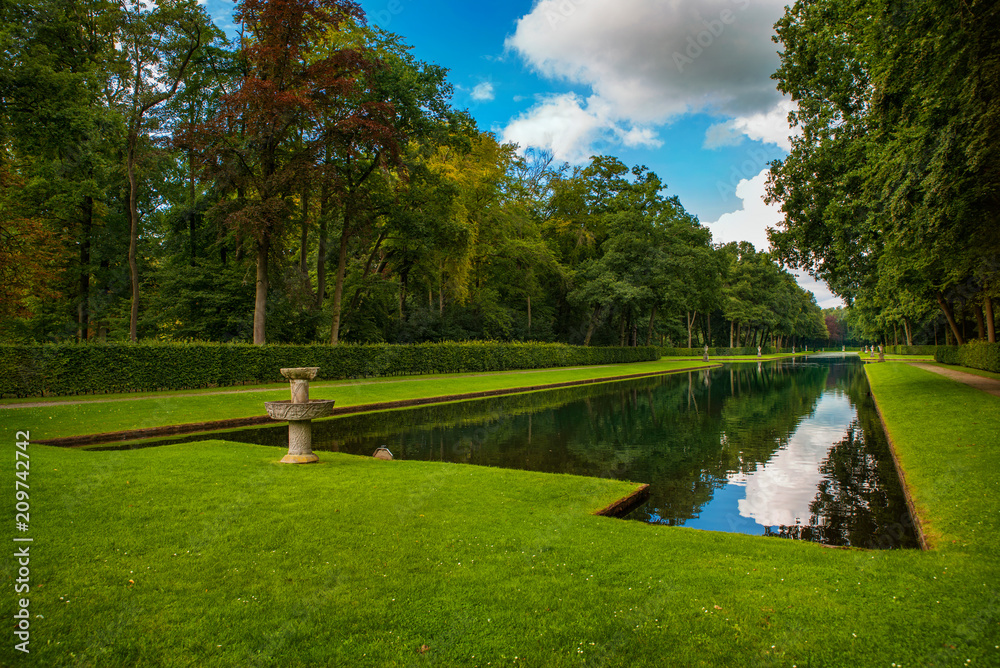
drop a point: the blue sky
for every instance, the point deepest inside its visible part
(680, 86)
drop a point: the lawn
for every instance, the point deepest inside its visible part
(211, 554)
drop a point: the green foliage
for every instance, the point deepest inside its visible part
(912, 350)
(947, 355)
(719, 352)
(975, 355)
(76, 369)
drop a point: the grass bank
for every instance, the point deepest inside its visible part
(57, 418)
(211, 554)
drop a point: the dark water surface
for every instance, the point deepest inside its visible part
(790, 448)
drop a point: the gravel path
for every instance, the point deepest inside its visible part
(990, 385)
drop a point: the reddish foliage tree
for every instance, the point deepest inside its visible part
(292, 101)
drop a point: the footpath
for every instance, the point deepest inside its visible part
(989, 385)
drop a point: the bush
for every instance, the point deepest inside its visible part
(56, 369)
(718, 352)
(980, 355)
(912, 350)
(946, 355)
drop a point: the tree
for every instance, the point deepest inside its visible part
(288, 105)
(897, 155)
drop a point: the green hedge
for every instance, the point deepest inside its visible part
(59, 369)
(719, 352)
(975, 355)
(912, 350)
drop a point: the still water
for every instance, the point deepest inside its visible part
(791, 448)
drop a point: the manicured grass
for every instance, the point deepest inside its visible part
(155, 410)
(211, 554)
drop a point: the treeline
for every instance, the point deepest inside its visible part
(890, 192)
(311, 182)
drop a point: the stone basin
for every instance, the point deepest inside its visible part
(286, 410)
(300, 373)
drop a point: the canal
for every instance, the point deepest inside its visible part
(791, 448)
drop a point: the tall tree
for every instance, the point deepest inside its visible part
(289, 103)
(156, 44)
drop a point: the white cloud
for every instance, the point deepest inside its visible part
(751, 222)
(483, 92)
(649, 61)
(569, 126)
(770, 127)
(782, 490)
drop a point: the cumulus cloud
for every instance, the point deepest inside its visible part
(782, 490)
(770, 127)
(569, 126)
(750, 223)
(648, 61)
(483, 92)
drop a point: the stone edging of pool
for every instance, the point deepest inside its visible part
(218, 425)
(911, 506)
(626, 504)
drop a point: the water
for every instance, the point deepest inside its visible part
(788, 448)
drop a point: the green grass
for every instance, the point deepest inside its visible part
(236, 560)
(170, 408)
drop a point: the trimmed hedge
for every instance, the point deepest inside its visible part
(719, 352)
(912, 350)
(57, 369)
(975, 355)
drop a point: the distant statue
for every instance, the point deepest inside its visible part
(793, 350)
(758, 351)
(881, 354)
(705, 358)
(843, 349)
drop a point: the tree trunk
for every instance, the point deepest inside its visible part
(192, 215)
(946, 308)
(304, 238)
(133, 241)
(689, 318)
(732, 323)
(338, 286)
(621, 331)
(83, 305)
(529, 314)
(592, 325)
(649, 330)
(991, 331)
(908, 330)
(260, 302)
(980, 325)
(322, 250)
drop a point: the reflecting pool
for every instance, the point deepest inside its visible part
(790, 448)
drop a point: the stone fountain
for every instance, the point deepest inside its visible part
(299, 412)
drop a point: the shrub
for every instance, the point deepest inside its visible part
(947, 355)
(980, 355)
(56, 369)
(912, 350)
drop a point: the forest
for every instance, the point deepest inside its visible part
(310, 181)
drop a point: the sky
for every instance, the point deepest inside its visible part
(681, 86)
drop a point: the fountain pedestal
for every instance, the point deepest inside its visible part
(299, 412)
